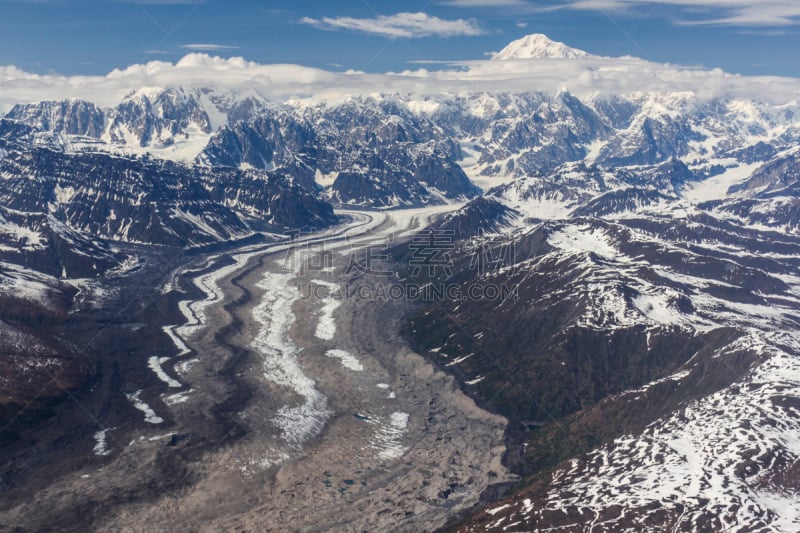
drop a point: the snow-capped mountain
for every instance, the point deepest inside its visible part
(403, 150)
(66, 117)
(155, 117)
(538, 46)
(217, 129)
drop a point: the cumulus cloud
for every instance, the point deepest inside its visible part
(717, 12)
(400, 25)
(582, 77)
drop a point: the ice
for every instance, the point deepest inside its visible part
(325, 180)
(26, 238)
(184, 367)
(280, 364)
(183, 349)
(216, 116)
(593, 150)
(183, 148)
(459, 360)
(64, 195)
(406, 222)
(297, 423)
(496, 510)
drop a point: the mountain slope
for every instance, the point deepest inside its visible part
(623, 341)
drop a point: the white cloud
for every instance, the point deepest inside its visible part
(484, 3)
(719, 12)
(400, 25)
(206, 47)
(283, 82)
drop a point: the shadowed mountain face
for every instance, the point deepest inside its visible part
(154, 202)
(613, 341)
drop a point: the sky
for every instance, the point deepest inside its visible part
(93, 37)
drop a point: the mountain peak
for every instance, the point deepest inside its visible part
(538, 46)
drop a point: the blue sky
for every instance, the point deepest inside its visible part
(95, 36)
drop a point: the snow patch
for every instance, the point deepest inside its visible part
(326, 327)
(101, 444)
(388, 439)
(150, 416)
(583, 239)
(155, 365)
(716, 188)
(347, 359)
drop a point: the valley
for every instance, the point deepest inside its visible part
(525, 293)
(265, 412)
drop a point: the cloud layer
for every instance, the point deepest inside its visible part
(400, 25)
(283, 82)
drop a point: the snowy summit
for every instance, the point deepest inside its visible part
(538, 46)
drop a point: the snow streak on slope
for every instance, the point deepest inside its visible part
(28, 284)
(607, 276)
(675, 284)
(155, 363)
(101, 443)
(150, 416)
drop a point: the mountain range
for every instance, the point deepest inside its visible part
(648, 364)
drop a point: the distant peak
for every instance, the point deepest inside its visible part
(538, 46)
